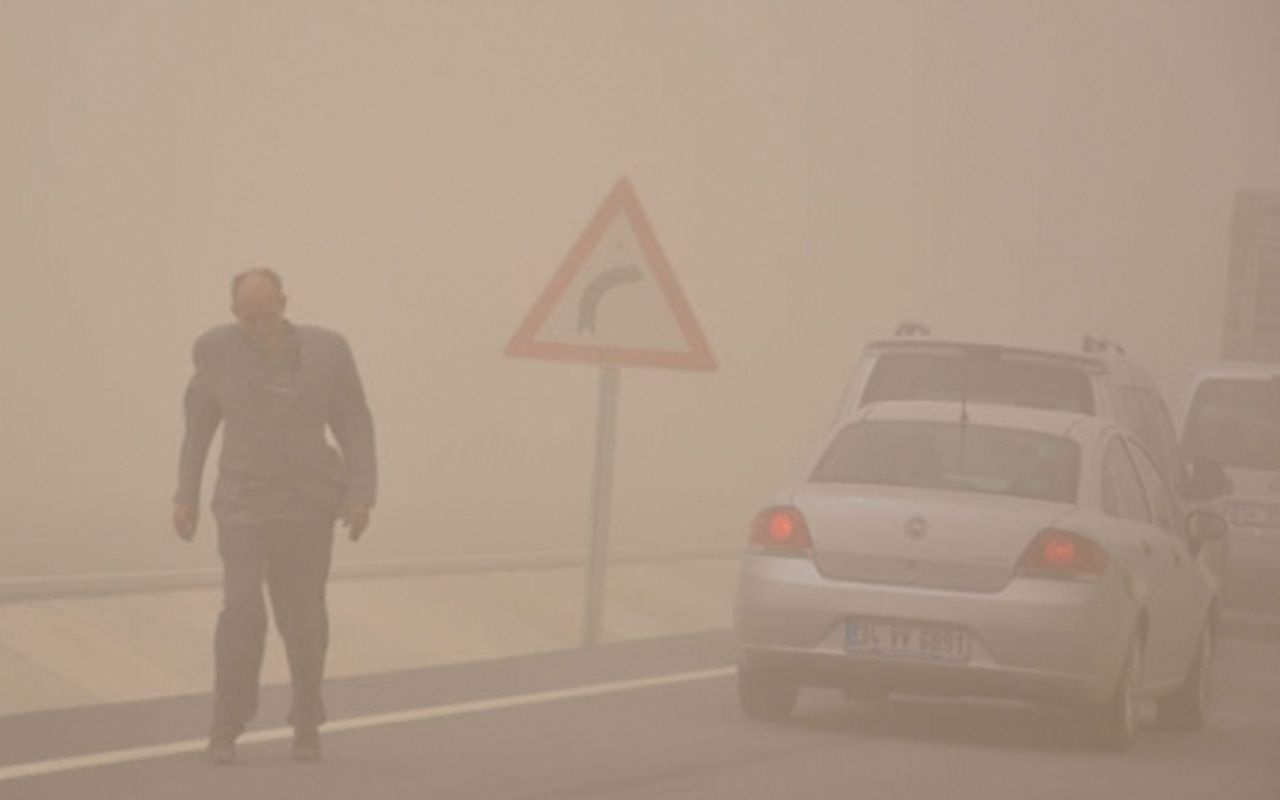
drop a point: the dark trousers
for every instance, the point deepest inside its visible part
(293, 559)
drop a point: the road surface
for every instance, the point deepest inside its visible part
(653, 719)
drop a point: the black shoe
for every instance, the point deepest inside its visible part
(306, 744)
(222, 749)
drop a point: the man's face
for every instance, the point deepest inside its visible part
(259, 306)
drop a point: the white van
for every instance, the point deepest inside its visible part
(1232, 416)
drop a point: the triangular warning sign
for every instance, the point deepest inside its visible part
(615, 300)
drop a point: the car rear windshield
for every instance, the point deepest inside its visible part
(980, 378)
(1236, 422)
(958, 456)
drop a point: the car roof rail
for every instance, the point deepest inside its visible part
(912, 328)
(1098, 344)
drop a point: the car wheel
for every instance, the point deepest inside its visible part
(767, 694)
(1116, 723)
(1187, 707)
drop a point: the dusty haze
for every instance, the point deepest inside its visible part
(417, 171)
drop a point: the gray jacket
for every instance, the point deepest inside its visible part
(276, 460)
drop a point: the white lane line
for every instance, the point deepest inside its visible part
(131, 754)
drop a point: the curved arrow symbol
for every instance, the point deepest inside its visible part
(598, 288)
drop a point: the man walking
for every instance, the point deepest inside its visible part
(274, 387)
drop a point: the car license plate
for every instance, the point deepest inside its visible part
(908, 640)
(1255, 515)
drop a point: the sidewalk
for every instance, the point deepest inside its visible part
(118, 646)
(71, 651)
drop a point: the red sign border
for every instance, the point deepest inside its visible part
(622, 199)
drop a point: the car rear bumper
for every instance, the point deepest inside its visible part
(1037, 640)
(879, 675)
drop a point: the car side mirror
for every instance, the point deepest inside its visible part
(1208, 480)
(1204, 526)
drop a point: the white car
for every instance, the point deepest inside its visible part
(1233, 418)
(946, 548)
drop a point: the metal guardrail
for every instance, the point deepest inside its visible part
(16, 590)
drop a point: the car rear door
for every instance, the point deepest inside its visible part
(1138, 543)
(1181, 594)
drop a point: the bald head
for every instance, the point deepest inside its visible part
(258, 303)
(266, 273)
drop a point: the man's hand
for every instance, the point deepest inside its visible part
(355, 518)
(185, 517)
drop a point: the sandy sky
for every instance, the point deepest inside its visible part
(815, 172)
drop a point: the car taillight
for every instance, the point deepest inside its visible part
(1057, 553)
(781, 529)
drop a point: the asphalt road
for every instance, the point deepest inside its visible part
(586, 725)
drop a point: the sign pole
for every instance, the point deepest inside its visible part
(616, 255)
(601, 494)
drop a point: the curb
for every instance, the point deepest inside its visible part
(18, 590)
